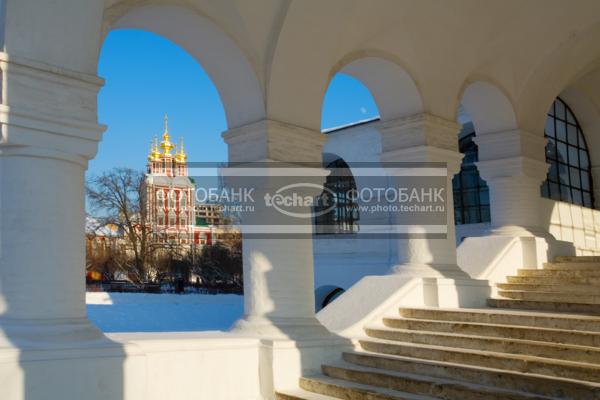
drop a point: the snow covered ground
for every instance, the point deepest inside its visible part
(144, 312)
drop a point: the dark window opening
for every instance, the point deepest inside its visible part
(338, 198)
(471, 193)
(569, 178)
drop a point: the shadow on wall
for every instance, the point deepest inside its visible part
(442, 285)
(62, 359)
(293, 342)
(495, 256)
(572, 223)
(48, 348)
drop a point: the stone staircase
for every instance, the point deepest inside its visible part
(540, 339)
(570, 284)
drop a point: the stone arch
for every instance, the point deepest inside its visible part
(329, 157)
(339, 183)
(393, 88)
(588, 116)
(488, 107)
(299, 101)
(223, 60)
(587, 113)
(325, 294)
(490, 112)
(568, 63)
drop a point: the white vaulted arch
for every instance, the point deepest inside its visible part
(572, 60)
(587, 113)
(489, 108)
(223, 60)
(392, 87)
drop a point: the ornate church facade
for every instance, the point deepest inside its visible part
(171, 201)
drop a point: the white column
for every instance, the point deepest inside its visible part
(48, 134)
(513, 165)
(278, 272)
(48, 346)
(425, 138)
(42, 245)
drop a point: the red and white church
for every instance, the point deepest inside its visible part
(171, 199)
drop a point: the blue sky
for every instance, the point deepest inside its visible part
(148, 76)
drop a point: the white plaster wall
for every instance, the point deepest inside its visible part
(139, 366)
(342, 260)
(191, 365)
(469, 230)
(494, 257)
(574, 224)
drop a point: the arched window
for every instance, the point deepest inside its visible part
(569, 177)
(160, 198)
(471, 193)
(343, 216)
(171, 199)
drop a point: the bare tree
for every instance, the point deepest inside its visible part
(119, 197)
(109, 261)
(221, 263)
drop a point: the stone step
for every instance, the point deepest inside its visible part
(576, 298)
(443, 389)
(577, 259)
(539, 334)
(560, 273)
(587, 309)
(300, 394)
(331, 387)
(585, 354)
(489, 359)
(573, 266)
(423, 385)
(548, 287)
(491, 316)
(497, 378)
(552, 280)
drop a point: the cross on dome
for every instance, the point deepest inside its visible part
(166, 143)
(180, 155)
(167, 146)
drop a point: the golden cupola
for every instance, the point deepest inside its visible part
(166, 145)
(180, 155)
(154, 154)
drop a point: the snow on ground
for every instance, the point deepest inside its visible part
(145, 312)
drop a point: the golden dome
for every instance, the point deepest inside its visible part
(180, 155)
(166, 144)
(154, 153)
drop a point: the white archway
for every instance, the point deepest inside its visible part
(580, 100)
(580, 97)
(393, 89)
(511, 160)
(217, 53)
(570, 61)
(489, 108)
